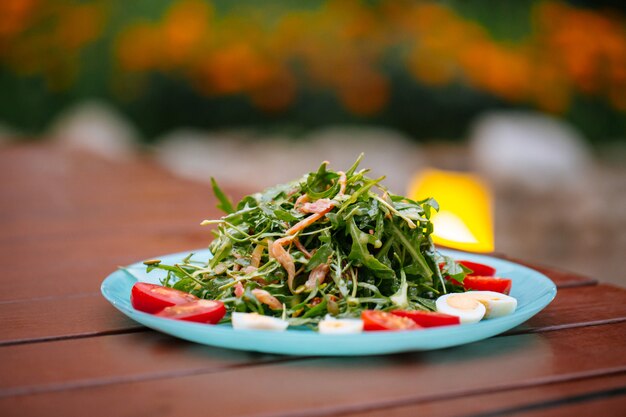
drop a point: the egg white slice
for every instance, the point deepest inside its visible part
(331, 325)
(496, 304)
(467, 309)
(255, 321)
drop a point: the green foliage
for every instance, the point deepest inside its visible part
(376, 247)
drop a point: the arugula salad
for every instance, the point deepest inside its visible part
(331, 250)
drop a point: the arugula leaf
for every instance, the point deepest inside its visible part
(320, 257)
(224, 202)
(420, 262)
(400, 298)
(284, 215)
(322, 184)
(361, 255)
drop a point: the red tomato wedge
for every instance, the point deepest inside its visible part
(151, 298)
(374, 320)
(428, 318)
(201, 311)
(478, 269)
(501, 285)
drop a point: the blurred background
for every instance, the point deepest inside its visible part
(512, 113)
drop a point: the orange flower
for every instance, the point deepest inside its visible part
(16, 16)
(80, 24)
(186, 24)
(276, 92)
(138, 47)
(232, 69)
(363, 91)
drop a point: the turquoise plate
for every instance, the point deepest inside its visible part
(533, 291)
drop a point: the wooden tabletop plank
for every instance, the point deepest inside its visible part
(64, 364)
(562, 278)
(55, 318)
(601, 396)
(575, 307)
(579, 306)
(45, 318)
(48, 273)
(328, 386)
(69, 219)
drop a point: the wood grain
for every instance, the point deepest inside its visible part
(602, 396)
(579, 306)
(47, 318)
(328, 386)
(69, 219)
(575, 307)
(57, 318)
(111, 359)
(563, 279)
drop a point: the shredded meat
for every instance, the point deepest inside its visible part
(267, 298)
(304, 198)
(249, 269)
(278, 252)
(323, 205)
(239, 289)
(317, 276)
(255, 259)
(302, 249)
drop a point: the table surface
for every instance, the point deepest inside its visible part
(68, 219)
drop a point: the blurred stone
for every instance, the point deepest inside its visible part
(200, 155)
(95, 127)
(553, 203)
(245, 158)
(528, 149)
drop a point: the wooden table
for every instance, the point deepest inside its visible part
(69, 219)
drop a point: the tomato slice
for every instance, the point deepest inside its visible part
(151, 298)
(478, 269)
(428, 318)
(374, 320)
(501, 285)
(201, 311)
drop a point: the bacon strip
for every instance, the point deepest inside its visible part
(307, 221)
(319, 206)
(304, 198)
(278, 252)
(317, 276)
(249, 269)
(239, 289)
(267, 298)
(302, 249)
(255, 259)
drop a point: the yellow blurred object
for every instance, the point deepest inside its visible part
(465, 218)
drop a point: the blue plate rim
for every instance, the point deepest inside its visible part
(380, 342)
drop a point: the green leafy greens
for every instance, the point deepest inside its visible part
(330, 243)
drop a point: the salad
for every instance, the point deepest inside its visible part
(335, 251)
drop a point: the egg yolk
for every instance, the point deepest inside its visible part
(462, 302)
(484, 297)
